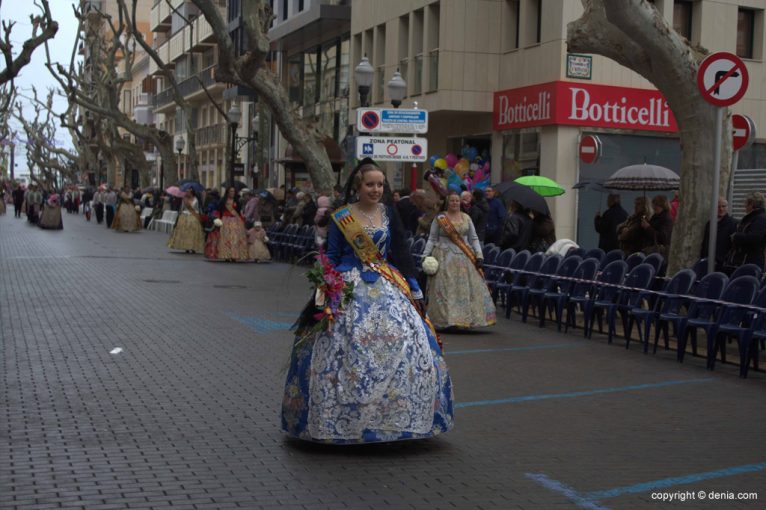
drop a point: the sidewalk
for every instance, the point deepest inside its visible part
(187, 414)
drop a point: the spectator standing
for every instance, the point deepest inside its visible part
(726, 226)
(631, 235)
(749, 241)
(659, 227)
(543, 233)
(517, 230)
(496, 216)
(309, 210)
(479, 214)
(250, 209)
(110, 206)
(606, 224)
(18, 200)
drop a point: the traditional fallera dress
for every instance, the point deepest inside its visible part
(457, 293)
(377, 374)
(50, 217)
(232, 244)
(256, 244)
(127, 219)
(188, 233)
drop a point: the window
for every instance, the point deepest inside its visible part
(379, 86)
(329, 75)
(745, 33)
(533, 21)
(404, 47)
(284, 10)
(300, 5)
(295, 78)
(682, 18)
(417, 51)
(310, 75)
(434, 13)
(510, 27)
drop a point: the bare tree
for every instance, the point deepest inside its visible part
(634, 34)
(44, 28)
(251, 70)
(96, 87)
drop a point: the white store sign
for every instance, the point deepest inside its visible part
(392, 148)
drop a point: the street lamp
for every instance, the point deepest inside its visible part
(180, 142)
(233, 115)
(363, 74)
(397, 89)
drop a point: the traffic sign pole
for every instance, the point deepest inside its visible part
(716, 182)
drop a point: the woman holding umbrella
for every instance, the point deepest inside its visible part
(188, 234)
(232, 245)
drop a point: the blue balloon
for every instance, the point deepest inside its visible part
(432, 160)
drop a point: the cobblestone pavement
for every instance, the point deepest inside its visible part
(186, 416)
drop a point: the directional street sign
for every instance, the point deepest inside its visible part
(392, 148)
(590, 149)
(392, 120)
(743, 129)
(722, 79)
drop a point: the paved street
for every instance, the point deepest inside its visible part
(187, 414)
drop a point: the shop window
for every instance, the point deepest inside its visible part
(745, 32)
(510, 26)
(310, 75)
(682, 18)
(294, 81)
(521, 154)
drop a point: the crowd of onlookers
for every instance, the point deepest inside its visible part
(649, 230)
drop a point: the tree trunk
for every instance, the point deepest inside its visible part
(634, 34)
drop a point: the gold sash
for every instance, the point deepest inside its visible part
(456, 238)
(368, 253)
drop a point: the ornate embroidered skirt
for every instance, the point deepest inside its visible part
(457, 295)
(378, 375)
(127, 219)
(258, 250)
(233, 241)
(50, 218)
(187, 234)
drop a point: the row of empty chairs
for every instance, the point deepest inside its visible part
(291, 242)
(604, 287)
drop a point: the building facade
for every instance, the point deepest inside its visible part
(495, 75)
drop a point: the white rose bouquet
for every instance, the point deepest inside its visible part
(218, 222)
(430, 266)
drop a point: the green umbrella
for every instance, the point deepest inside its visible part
(544, 186)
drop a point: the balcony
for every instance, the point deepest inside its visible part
(211, 135)
(159, 19)
(190, 88)
(164, 53)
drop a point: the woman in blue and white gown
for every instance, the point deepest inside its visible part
(378, 374)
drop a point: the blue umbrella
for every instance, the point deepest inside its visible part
(197, 187)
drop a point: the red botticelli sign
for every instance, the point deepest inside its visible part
(582, 104)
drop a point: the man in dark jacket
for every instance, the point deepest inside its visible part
(495, 218)
(726, 227)
(517, 230)
(479, 214)
(606, 224)
(749, 241)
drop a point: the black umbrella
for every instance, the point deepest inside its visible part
(238, 185)
(595, 185)
(524, 195)
(644, 177)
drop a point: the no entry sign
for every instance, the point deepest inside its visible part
(722, 79)
(743, 130)
(590, 149)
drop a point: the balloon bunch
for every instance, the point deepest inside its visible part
(451, 173)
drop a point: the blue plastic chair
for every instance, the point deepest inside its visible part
(519, 285)
(566, 269)
(494, 272)
(568, 289)
(748, 333)
(739, 291)
(537, 284)
(604, 296)
(486, 248)
(746, 270)
(657, 261)
(678, 285)
(700, 268)
(710, 287)
(636, 285)
(635, 259)
(610, 257)
(491, 256)
(595, 253)
(579, 252)
(510, 274)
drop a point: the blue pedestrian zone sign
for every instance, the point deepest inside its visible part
(392, 148)
(392, 120)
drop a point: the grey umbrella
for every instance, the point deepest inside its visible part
(643, 177)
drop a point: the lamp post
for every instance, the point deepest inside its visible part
(363, 74)
(397, 89)
(180, 143)
(233, 115)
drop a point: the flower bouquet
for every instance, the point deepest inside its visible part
(218, 223)
(331, 296)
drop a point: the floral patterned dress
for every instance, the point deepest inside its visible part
(377, 374)
(457, 294)
(232, 244)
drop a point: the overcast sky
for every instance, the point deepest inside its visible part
(36, 73)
